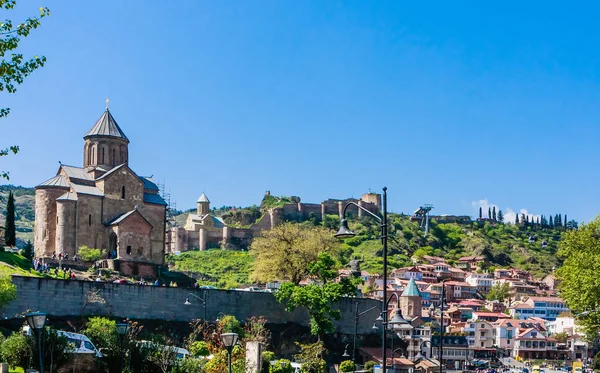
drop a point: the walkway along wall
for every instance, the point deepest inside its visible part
(74, 298)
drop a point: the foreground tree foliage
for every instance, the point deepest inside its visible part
(311, 357)
(284, 253)
(8, 290)
(319, 297)
(499, 292)
(14, 68)
(580, 283)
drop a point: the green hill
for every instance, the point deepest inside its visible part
(24, 210)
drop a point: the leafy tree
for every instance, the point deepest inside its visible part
(499, 292)
(318, 297)
(10, 234)
(15, 69)
(28, 250)
(494, 213)
(8, 290)
(311, 357)
(16, 350)
(284, 253)
(88, 254)
(57, 349)
(159, 351)
(480, 213)
(500, 216)
(561, 337)
(230, 324)
(103, 333)
(580, 285)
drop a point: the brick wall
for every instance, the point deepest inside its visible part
(73, 298)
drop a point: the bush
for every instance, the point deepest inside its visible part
(89, 254)
(277, 367)
(199, 348)
(347, 366)
(16, 350)
(369, 366)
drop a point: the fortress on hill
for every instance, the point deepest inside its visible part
(203, 230)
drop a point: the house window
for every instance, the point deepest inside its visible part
(123, 192)
(128, 250)
(90, 220)
(481, 344)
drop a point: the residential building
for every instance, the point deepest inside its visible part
(456, 352)
(480, 281)
(471, 263)
(533, 344)
(547, 308)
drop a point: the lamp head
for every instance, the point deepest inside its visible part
(419, 356)
(380, 318)
(122, 328)
(398, 321)
(374, 327)
(36, 320)
(187, 301)
(229, 339)
(345, 354)
(344, 231)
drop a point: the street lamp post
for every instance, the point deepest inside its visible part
(441, 344)
(121, 331)
(188, 303)
(345, 232)
(229, 341)
(356, 316)
(37, 321)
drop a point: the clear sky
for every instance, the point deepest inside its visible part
(452, 103)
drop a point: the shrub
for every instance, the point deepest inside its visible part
(199, 348)
(347, 366)
(369, 366)
(16, 351)
(89, 254)
(277, 367)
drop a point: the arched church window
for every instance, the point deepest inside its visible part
(123, 192)
(128, 250)
(102, 156)
(90, 220)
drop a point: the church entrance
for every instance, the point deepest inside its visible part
(112, 245)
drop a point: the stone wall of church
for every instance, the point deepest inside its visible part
(45, 220)
(155, 214)
(91, 230)
(134, 239)
(113, 185)
(65, 227)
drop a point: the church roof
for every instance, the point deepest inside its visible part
(111, 171)
(86, 189)
(411, 289)
(107, 126)
(69, 196)
(58, 181)
(203, 198)
(155, 199)
(148, 183)
(76, 172)
(119, 219)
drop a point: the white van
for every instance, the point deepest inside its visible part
(81, 343)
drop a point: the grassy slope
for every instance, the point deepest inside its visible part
(219, 268)
(15, 264)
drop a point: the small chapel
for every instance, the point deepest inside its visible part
(103, 205)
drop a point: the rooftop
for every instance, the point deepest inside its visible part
(107, 126)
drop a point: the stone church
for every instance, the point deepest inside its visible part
(103, 205)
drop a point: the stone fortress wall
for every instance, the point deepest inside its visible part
(181, 239)
(61, 298)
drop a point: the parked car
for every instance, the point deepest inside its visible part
(122, 281)
(81, 343)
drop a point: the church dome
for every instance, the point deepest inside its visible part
(107, 126)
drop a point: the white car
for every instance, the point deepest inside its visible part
(80, 342)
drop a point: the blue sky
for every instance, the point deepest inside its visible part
(451, 103)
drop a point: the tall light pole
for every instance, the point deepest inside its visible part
(441, 344)
(345, 232)
(229, 341)
(356, 316)
(36, 322)
(188, 303)
(121, 331)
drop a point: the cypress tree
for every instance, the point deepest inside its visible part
(551, 223)
(565, 221)
(500, 216)
(560, 220)
(489, 213)
(522, 218)
(527, 219)
(494, 213)
(10, 233)
(516, 218)
(480, 213)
